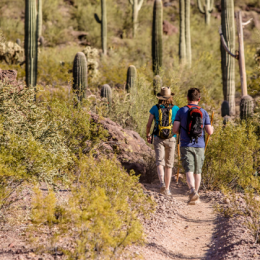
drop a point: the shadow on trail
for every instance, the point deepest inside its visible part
(221, 240)
(170, 253)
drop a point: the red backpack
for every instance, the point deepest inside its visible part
(194, 123)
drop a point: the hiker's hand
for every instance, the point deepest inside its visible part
(149, 139)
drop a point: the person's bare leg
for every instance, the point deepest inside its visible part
(168, 177)
(190, 180)
(197, 178)
(160, 171)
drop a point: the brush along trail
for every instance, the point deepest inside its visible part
(181, 231)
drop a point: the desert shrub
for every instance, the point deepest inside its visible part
(232, 157)
(31, 147)
(101, 216)
(245, 205)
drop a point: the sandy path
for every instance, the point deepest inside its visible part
(178, 230)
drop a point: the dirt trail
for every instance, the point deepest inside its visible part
(178, 230)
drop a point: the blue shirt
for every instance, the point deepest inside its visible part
(154, 111)
(182, 117)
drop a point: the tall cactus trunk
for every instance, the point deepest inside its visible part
(30, 43)
(157, 36)
(187, 32)
(135, 16)
(207, 12)
(185, 55)
(104, 26)
(80, 75)
(131, 78)
(182, 41)
(39, 18)
(228, 62)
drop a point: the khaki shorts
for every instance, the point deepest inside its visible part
(164, 151)
(192, 159)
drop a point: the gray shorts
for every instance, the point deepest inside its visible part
(192, 159)
(164, 151)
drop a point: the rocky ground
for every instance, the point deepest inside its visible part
(175, 231)
(181, 231)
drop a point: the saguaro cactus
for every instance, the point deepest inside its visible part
(206, 9)
(137, 5)
(39, 17)
(157, 84)
(185, 54)
(103, 22)
(246, 107)
(157, 36)
(106, 92)
(80, 75)
(131, 78)
(30, 42)
(225, 112)
(225, 109)
(227, 62)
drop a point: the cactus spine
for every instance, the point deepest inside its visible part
(39, 18)
(157, 36)
(30, 42)
(80, 75)
(185, 54)
(206, 9)
(106, 92)
(136, 7)
(246, 107)
(228, 62)
(103, 22)
(157, 84)
(131, 78)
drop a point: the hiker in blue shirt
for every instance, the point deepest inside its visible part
(164, 139)
(192, 140)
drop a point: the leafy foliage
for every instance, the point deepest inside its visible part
(101, 216)
(232, 157)
(32, 148)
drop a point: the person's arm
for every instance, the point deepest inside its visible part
(148, 128)
(209, 129)
(176, 127)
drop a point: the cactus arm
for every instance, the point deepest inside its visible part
(140, 5)
(223, 41)
(201, 9)
(97, 18)
(211, 5)
(131, 2)
(248, 22)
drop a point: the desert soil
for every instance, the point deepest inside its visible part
(175, 231)
(181, 231)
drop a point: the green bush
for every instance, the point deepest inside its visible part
(102, 214)
(32, 148)
(232, 157)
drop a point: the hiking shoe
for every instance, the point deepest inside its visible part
(168, 192)
(162, 187)
(193, 195)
